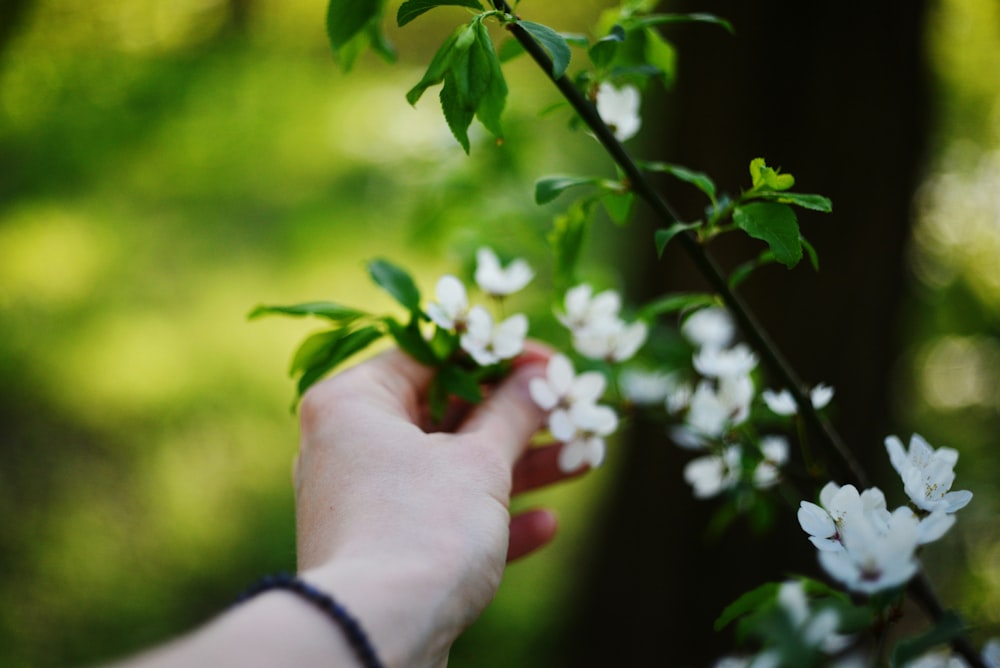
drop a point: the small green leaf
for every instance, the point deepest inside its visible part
(806, 201)
(552, 42)
(747, 603)
(490, 105)
(437, 69)
(743, 271)
(811, 252)
(457, 113)
(347, 18)
(699, 180)
(664, 236)
(411, 9)
(569, 231)
(460, 383)
(660, 19)
(340, 350)
(618, 205)
(550, 187)
(327, 310)
(672, 303)
(411, 340)
(509, 50)
(314, 349)
(603, 51)
(661, 55)
(948, 627)
(763, 177)
(774, 224)
(396, 282)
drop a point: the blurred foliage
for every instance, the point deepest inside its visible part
(164, 167)
(949, 375)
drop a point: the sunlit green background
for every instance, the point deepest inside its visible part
(164, 167)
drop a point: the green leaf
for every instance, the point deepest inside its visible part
(675, 302)
(327, 310)
(552, 42)
(396, 282)
(699, 180)
(804, 200)
(661, 55)
(460, 383)
(763, 177)
(412, 341)
(811, 252)
(747, 603)
(660, 19)
(948, 627)
(618, 205)
(438, 68)
(345, 19)
(663, 236)
(550, 187)
(457, 113)
(774, 224)
(569, 231)
(509, 50)
(411, 9)
(490, 106)
(603, 51)
(314, 349)
(340, 350)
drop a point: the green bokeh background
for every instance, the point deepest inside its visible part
(164, 167)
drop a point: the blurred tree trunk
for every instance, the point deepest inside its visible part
(835, 96)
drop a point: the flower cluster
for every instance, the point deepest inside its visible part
(575, 416)
(485, 340)
(870, 549)
(597, 328)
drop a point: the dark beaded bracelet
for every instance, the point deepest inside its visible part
(356, 636)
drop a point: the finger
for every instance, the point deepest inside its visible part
(539, 467)
(529, 531)
(509, 417)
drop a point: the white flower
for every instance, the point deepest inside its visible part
(645, 388)
(937, 660)
(584, 310)
(488, 344)
(451, 309)
(712, 474)
(775, 452)
(718, 362)
(783, 403)
(991, 653)
(582, 429)
(614, 341)
(842, 506)
(679, 398)
(815, 629)
(712, 410)
(562, 388)
(873, 560)
(709, 328)
(619, 109)
(493, 279)
(927, 474)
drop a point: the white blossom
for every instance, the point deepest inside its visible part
(712, 474)
(488, 343)
(927, 474)
(816, 629)
(582, 429)
(991, 653)
(614, 341)
(494, 279)
(719, 362)
(619, 109)
(585, 310)
(646, 388)
(451, 309)
(775, 454)
(874, 560)
(783, 403)
(562, 387)
(709, 328)
(937, 660)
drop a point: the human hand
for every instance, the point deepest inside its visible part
(408, 526)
